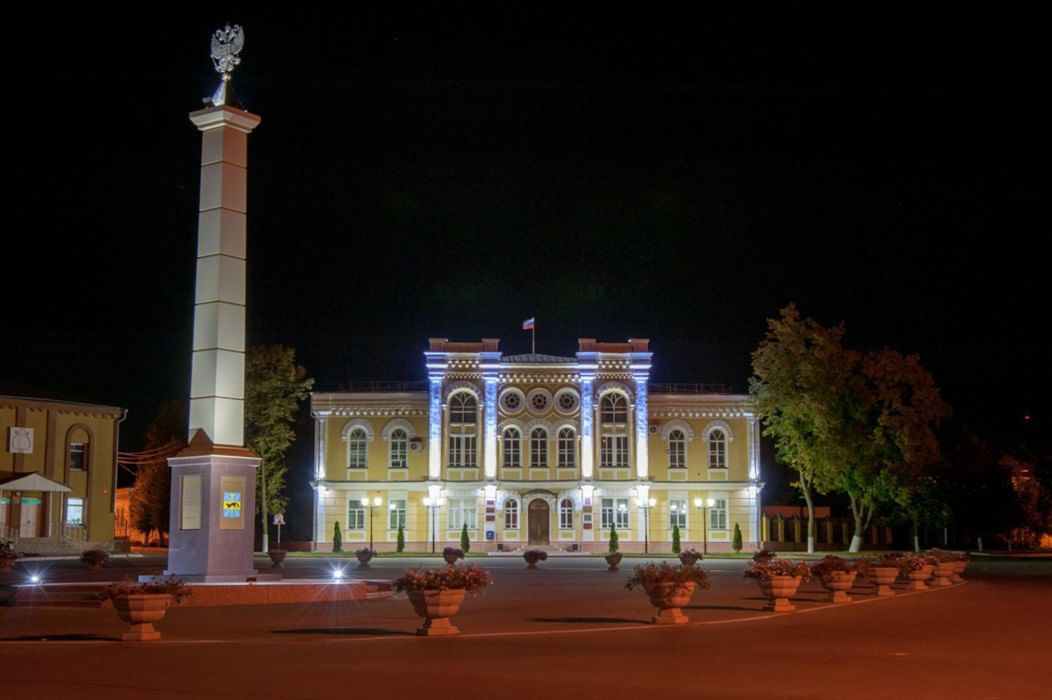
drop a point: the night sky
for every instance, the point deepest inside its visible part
(679, 178)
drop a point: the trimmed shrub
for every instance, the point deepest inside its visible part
(337, 538)
(614, 546)
(737, 542)
(401, 539)
(675, 539)
(465, 542)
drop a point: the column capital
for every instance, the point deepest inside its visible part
(211, 118)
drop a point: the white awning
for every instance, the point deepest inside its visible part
(30, 481)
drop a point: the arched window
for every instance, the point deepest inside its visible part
(463, 430)
(399, 449)
(677, 450)
(512, 448)
(356, 449)
(717, 450)
(539, 448)
(511, 514)
(567, 449)
(566, 514)
(613, 412)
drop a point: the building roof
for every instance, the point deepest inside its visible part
(30, 481)
(531, 358)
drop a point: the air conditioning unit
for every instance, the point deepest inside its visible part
(415, 446)
(653, 429)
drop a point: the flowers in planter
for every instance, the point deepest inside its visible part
(648, 577)
(364, 553)
(690, 557)
(451, 554)
(532, 556)
(469, 578)
(824, 568)
(170, 585)
(764, 555)
(95, 557)
(765, 570)
(943, 555)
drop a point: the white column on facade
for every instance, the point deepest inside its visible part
(320, 468)
(587, 414)
(217, 385)
(642, 428)
(434, 421)
(490, 413)
(754, 449)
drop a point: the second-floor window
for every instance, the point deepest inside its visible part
(463, 429)
(717, 450)
(78, 455)
(399, 449)
(356, 449)
(512, 448)
(677, 450)
(539, 448)
(613, 448)
(567, 449)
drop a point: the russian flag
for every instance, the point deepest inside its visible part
(527, 325)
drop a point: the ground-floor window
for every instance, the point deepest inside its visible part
(677, 514)
(396, 509)
(75, 512)
(614, 513)
(355, 515)
(566, 514)
(718, 515)
(511, 514)
(462, 512)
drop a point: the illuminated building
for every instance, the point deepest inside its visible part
(535, 450)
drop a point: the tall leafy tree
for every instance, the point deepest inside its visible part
(800, 370)
(274, 388)
(150, 500)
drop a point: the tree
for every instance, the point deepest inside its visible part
(150, 500)
(614, 546)
(675, 539)
(736, 543)
(400, 546)
(799, 370)
(274, 387)
(337, 538)
(465, 541)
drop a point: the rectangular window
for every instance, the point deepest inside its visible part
(399, 453)
(511, 515)
(462, 452)
(566, 515)
(396, 509)
(461, 512)
(355, 515)
(614, 513)
(567, 450)
(677, 514)
(75, 512)
(614, 451)
(718, 515)
(78, 456)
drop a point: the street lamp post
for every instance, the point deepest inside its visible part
(431, 504)
(372, 504)
(704, 521)
(647, 505)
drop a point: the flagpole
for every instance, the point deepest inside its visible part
(533, 338)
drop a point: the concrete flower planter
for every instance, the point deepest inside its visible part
(669, 599)
(958, 570)
(436, 607)
(532, 556)
(612, 561)
(778, 590)
(276, 557)
(883, 577)
(838, 583)
(918, 577)
(944, 573)
(141, 610)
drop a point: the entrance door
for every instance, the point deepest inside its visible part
(30, 508)
(538, 521)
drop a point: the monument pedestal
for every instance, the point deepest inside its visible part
(213, 510)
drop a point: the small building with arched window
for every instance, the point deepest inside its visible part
(57, 471)
(536, 450)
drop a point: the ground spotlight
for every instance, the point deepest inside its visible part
(337, 574)
(34, 578)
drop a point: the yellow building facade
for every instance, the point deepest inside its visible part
(57, 469)
(536, 451)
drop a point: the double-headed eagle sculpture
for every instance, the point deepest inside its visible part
(226, 45)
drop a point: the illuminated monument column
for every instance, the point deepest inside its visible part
(213, 479)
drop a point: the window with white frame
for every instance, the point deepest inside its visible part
(396, 513)
(717, 450)
(355, 514)
(462, 512)
(463, 427)
(566, 514)
(78, 455)
(718, 515)
(567, 449)
(677, 450)
(511, 514)
(539, 448)
(512, 446)
(357, 446)
(613, 414)
(614, 513)
(677, 513)
(399, 441)
(75, 512)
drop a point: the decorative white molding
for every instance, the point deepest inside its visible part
(397, 423)
(539, 394)
(680, 425)
(509, 423)
(559, 425)
(575, 496)
(357, 423)
(522, 401)
(701, 413)
(610, 385)
(576, 401)
(453, 387)
(527, 378)
(718, 425)
(528, 427)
